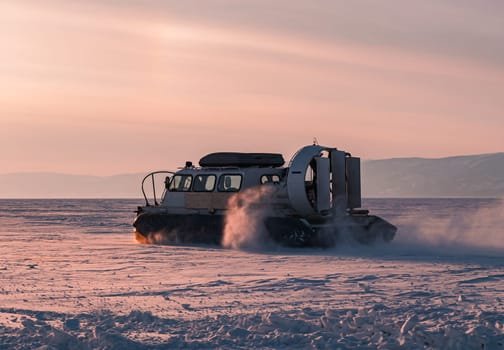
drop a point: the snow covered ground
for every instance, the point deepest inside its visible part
(72, 277)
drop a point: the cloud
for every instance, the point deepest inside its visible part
(379, 79)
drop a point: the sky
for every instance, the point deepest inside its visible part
(105, 87)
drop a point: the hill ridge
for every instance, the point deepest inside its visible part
(479, 175)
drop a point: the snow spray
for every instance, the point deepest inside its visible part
(244, 223)
(465, 231)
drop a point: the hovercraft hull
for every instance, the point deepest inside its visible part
(291, 232)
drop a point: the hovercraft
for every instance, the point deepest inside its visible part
(315, 201)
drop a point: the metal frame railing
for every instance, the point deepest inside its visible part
(151, 175)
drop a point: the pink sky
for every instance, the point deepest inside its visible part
(107, 87)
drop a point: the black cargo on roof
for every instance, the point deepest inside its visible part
(221, 159)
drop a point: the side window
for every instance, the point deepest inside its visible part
(204, 183)
(229, 183)
(270, 179)
(180, 183)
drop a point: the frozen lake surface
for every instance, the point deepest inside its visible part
(72, 277)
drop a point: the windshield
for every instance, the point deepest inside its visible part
(180, 183)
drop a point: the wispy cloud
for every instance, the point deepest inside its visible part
(381, 79)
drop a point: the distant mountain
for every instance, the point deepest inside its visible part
(463, 176)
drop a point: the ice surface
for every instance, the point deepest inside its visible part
(72, 277)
